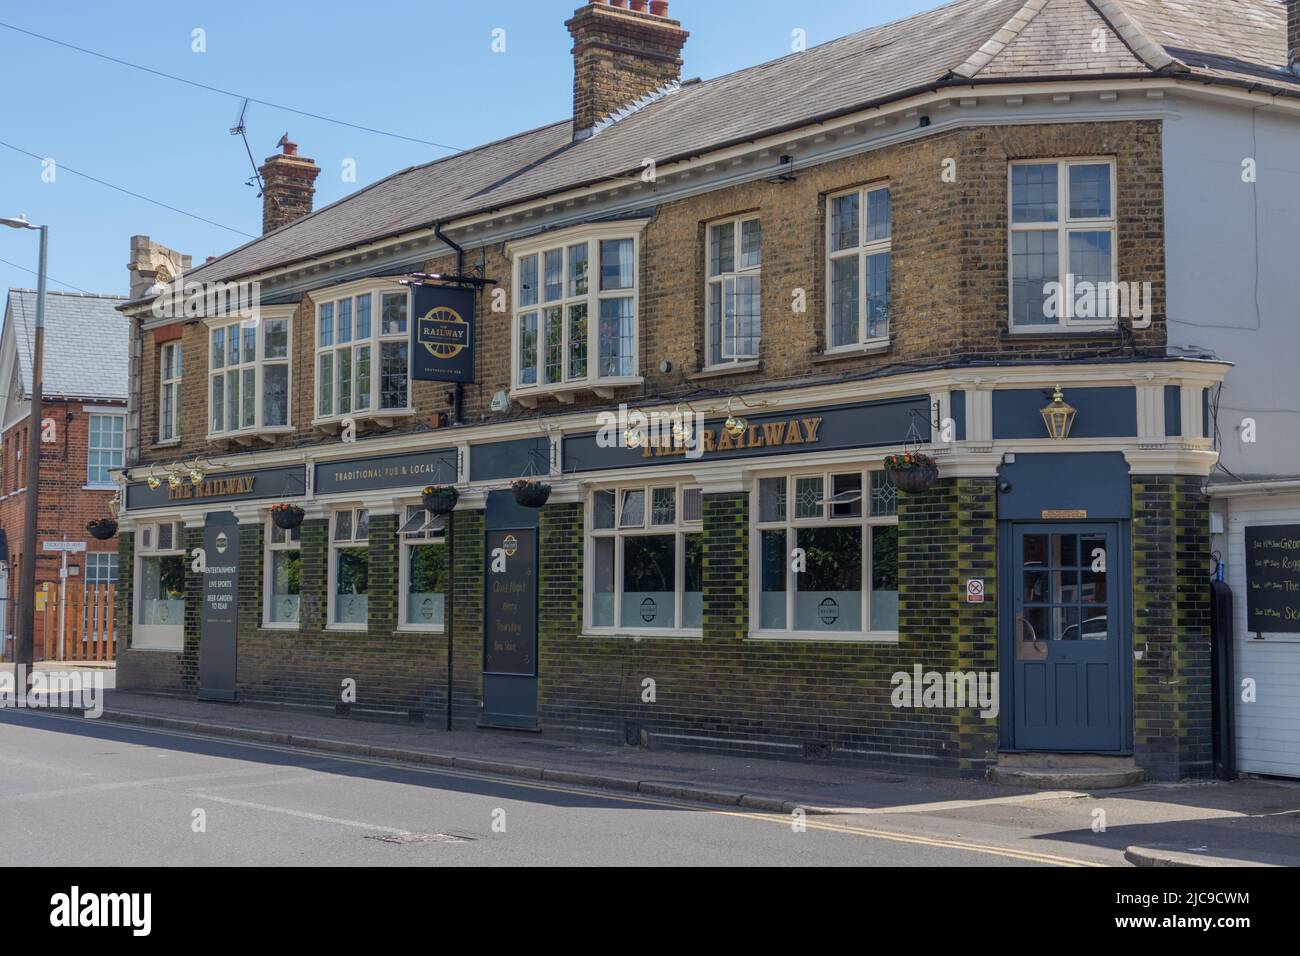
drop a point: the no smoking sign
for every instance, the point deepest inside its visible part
(975, 591)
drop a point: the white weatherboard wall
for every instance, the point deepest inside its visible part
(1268, 730)
(1233, 268)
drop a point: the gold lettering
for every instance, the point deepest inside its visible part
(755, 436)
(710, 441)
(725, 442)
(812, 425)
(792, 435)
(773, 432)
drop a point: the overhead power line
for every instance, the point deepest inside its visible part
(66, 285)
(216, 89)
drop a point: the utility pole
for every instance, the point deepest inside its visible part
(25, 641)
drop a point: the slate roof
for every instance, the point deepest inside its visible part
(963, 43)
(85, 343)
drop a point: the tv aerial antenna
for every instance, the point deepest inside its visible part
(241, 130)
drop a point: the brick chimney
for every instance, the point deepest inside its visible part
(1293, 34)
(287, 186)
(622, 51)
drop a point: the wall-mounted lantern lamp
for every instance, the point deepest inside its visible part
(1059, 417)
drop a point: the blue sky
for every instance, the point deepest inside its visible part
(423, 68)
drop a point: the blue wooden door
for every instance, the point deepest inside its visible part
(1069, 638)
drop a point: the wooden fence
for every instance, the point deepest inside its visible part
(79, 627)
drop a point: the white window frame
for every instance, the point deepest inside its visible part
(720, 283)
(592, 237)
(258, 366)
(271, 546)
(863, 251)
(791, 525)
(433, 534)
(679, 529)
(156, 637)
(377, 291)
(333, 548)
(1063, 226)
(91, 448)
(170, 371)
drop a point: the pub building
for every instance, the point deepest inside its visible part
(698, 377)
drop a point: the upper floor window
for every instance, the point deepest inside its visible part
(363, 363)
(169, 398)
(828, 553)
(575, 311)
(1062, 220)
(859, 267)
(646, 559)
(107, 441)
(249, 376)
(733, 302)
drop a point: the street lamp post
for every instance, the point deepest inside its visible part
(25, 640)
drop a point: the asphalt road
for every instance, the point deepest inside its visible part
(94, 793)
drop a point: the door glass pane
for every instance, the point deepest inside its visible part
(828, 595)
(1065, 623)
(1065, 550)
(1034, 626)
(1035, 587)
(771, 610)
(1065, 587)
(602, 583)
(649, 581)
(1034, 551)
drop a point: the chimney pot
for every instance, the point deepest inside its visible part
(659, 8)
(640, 6)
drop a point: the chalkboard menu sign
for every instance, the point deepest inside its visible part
(1273, 579)
(510, 614)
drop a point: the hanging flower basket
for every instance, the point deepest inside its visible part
(440, 499)
(912, 471)
(101, 529)
(530, 493)
(286, 516)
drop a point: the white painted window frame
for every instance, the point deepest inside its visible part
(268, 573)
(91, 448)
(719, 282)
(155, 637)
(791, 525)
(679, 529)
(170, 372)
(863, 250)
(258, 366)
(334, 548)
(409, 542)
(592, 236)
(1063, 226)
(377, 291)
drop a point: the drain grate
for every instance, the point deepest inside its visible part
(406, 838)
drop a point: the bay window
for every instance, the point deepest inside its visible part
(1062, 234)
(248, 376)
(350, 568)
(827, 547)
(645, 559)
(732, 300)
(169, 392)
(859, 268)
(363, 363)
(575, 311)
(283, 585)
(423, 570)
(160, 577)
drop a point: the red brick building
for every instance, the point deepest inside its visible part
(83, 424)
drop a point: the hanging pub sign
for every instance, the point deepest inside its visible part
(442, 335)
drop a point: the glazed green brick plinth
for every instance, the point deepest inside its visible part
(1172, 723)
(947, 536)
(727, 692)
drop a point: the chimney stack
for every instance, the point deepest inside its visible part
(623, 50)
(288, 184)
(1293, 35)
(152, 264)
